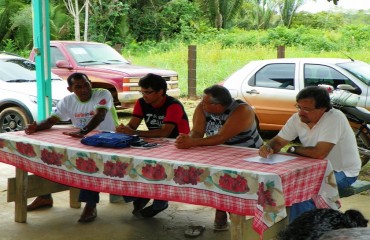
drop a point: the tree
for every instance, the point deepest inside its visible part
(74, 10)
(262, 13)
(287, 9)
(108, 21)
(220, 13)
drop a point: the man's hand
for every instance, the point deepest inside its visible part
(265, 151)
(183, 141)
(74, 134)
(31, 128)
(124, 129)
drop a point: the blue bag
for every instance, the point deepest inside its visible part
(110, 140)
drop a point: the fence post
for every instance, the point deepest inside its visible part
(281, 52)
(192, 71)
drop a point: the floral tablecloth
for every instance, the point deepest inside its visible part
(215, 176)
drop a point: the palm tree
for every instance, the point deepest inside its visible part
(262, 13)
(220, 13)
(287, 9)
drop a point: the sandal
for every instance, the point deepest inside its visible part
(194, 231)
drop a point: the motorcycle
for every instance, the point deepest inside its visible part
(358, 117)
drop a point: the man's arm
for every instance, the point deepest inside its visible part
(91, 125)
(131, 128)
(199, 123)
(320, 151)
(45, 124)
(197, 132)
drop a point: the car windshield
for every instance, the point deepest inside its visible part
(17, 70)
(359, 69)
(92, 54)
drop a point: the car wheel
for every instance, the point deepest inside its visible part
(13, 119)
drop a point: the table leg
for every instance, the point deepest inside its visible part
(21, 195)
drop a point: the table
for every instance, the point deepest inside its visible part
(215, 176)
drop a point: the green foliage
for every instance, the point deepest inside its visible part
(220, 13)
(61, 25)
(107, 21)
(174, 19)
(238, 37)
(320, 20)
(355, 36)
(282, 36)
(288, 9)
(21, 23)
(9, 45)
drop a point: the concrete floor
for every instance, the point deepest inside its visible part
(115, 220)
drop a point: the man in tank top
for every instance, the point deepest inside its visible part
(219, 119)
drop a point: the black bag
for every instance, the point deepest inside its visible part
(110, 140)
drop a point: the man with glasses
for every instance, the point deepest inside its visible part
(324, 132)
(164, 116)
(224, 121)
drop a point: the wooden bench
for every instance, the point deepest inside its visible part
(25, 186)
(357, 187)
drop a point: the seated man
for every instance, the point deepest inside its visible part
(78, 107)
(224, 121)
(164, 116)
(324, 133)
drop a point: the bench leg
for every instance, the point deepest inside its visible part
(236, 227)
(21, 195)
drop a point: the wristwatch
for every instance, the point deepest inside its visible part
(84, 131)
(291, 149)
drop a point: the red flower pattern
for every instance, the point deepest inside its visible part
(156, 172)
(233, 184)
(115, 169)
(265, 196)
(86, 165)
(186, 176)
(51, 157)
(25, 149)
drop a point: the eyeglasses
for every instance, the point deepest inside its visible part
(299, 108)
(146, 92)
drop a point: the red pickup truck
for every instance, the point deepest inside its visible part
(106, 68)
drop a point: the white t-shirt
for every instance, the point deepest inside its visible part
(80, 113)
(333, 127)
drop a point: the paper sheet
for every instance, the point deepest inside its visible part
(274, 158)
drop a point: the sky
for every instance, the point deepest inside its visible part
(324, 5)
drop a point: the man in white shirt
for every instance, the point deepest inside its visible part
(324, 133)
(88, 109)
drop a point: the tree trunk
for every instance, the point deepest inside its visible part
(218, 15)
(77, 22)
(87, 3)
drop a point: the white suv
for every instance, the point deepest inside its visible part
(18, 92)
